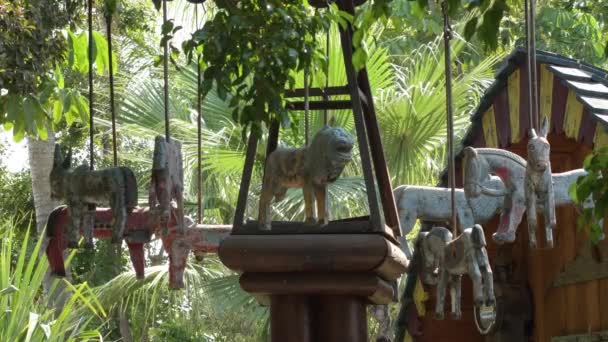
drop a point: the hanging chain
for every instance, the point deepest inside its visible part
(199, 126)
(90, 56)
(306, 107)
(166, 75)
(111, 71)
(447, 36)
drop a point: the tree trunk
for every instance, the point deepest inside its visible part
(40, 153)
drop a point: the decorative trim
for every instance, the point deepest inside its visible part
(601, 137)
(546, 93)
(489, 128)
(573, 116)
(514, 110)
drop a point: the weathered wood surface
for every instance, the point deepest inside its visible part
(314, 253)
(366, 285)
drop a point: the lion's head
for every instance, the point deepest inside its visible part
(330, 150)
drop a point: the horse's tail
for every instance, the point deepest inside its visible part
(478, 237)
(130, 188)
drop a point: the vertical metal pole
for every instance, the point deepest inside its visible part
(532, 63)
(90, 56)
(166, 75)
(327, 54)
(111, 71)
(447, 35)
(306, 108)
(199, 126)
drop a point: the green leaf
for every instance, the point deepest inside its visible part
(359, 59)
(102, 60)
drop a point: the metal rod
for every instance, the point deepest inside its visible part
(166, 75)
(90, 56)
(112, 107)
(327, 54)
(529, 63)
(447, 35)
(532, 70)
(306, 108)
(199, 126)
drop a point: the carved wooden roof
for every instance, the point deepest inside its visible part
(572, 94)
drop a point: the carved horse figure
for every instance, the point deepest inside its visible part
(479, 165)
(167, 181)
(80, 186)
(539, 184)
(140, 226)
(482, 163)
(446, 260)
(433, 204)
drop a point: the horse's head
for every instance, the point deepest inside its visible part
(539, 148)
(60, 169)
(432, 246)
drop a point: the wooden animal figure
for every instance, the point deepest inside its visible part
(141, 224)
(433, 204)
(447, 260)
(311, 168)
(167, 181)
(482, 163)
(479, 165)
(81, 187)
(538, 184)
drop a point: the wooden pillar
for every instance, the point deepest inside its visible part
(342, 318)
(291, 318)
(318, 285)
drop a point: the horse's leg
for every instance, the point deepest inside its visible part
(488, 284)
(475, 274)
(136, 252)
(179, 200)
(531, 199)
(455, 295)
(407, 218)
(88, 224)
(75, 212)
(550, 220)
(119, 210)
(441, 289)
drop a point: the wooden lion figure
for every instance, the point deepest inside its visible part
(446, 260)
(538, 184)
(80, 187)
(311, 168)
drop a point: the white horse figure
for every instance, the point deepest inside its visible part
(433, 204)
(481, 164)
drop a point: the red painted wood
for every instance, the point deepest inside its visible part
(501, 115)
(524, 107)
(558, 106)
(136, 252)
(586, 132)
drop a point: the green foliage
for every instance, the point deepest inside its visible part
(35, 55)
(250, 51)
(593, 186)
(26, 315)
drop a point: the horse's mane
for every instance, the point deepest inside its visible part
(503, 153)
